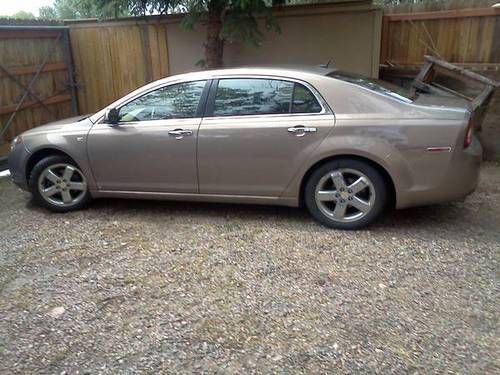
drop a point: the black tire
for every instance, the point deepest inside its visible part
(37, 170)
(377, 180)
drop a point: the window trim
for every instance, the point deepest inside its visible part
(200, 110)
(210, 105)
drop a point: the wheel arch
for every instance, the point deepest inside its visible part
(383, 171)
(42, 154)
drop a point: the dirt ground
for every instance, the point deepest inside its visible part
(147, 286)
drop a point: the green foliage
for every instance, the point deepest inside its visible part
(47, 13)
(22, 15)
(240, 23)
(67, 9)
(71, 9)
(238, 17)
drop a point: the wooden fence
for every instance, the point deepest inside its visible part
(466, 36)
(114, 58)
(36, 83)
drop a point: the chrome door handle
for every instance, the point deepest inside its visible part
(180, 133)
(301, 130)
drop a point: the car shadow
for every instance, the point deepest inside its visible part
(248, 211)
(418, 217)
(406, 219)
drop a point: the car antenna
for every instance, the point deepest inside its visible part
(325, 65)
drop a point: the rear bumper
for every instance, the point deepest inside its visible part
(452, 182)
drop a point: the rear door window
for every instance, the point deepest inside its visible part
(237, 97)
(261, 96)
(304, 101)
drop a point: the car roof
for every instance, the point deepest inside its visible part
(293, 71)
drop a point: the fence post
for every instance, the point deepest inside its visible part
(68, 61)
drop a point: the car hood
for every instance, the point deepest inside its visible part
(65, 124)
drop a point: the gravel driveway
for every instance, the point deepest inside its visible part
(129, 286)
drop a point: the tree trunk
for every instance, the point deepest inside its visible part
(214, 46)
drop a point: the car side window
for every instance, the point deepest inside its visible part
(304, 101)
(170, 102)
(252, 96)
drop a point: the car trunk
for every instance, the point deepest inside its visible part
(434, 100)
(440, 83)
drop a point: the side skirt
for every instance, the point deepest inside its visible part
(191, 197)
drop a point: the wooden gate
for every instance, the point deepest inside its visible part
(36, 78)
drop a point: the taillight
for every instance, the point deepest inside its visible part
(469, 132)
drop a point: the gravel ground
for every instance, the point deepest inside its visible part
(144, 286)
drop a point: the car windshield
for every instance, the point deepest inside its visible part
(373, 84)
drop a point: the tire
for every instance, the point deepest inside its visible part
(340, 205)
(50, 190)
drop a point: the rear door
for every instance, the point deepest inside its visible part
(256, 133)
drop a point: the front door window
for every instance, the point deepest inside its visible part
(175, 101)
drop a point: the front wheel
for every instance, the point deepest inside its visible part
(58, 184)
(346, 194)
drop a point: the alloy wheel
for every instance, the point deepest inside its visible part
(62, 184)
(345, 195)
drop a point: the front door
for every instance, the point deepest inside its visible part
(153, 147)
(257, 133)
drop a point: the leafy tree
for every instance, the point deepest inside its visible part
(22, 15)
(226, 20)
(71, 9)
(47, 13)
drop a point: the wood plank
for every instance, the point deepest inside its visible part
(155, 54)
(459, 70)
(416, 41)
(463, 39)
(469, 66)
(23, 70)
(147, 60)
(4, 148)
(28, 34)
(385, 40)
(445, 14)
(52, 100)
(164, 52)
(472, 55)
(487, 37)
(495, 45)
(403, 45)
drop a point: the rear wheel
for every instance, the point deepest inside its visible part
(58, 184)
(346, 194)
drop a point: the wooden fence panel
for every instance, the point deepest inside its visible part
(112, 59)
(22, 54)
(467, 36)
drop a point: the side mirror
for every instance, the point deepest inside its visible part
(111, 116)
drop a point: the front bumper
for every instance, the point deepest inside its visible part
(17, 161)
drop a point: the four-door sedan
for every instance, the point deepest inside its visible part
(344, 146)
